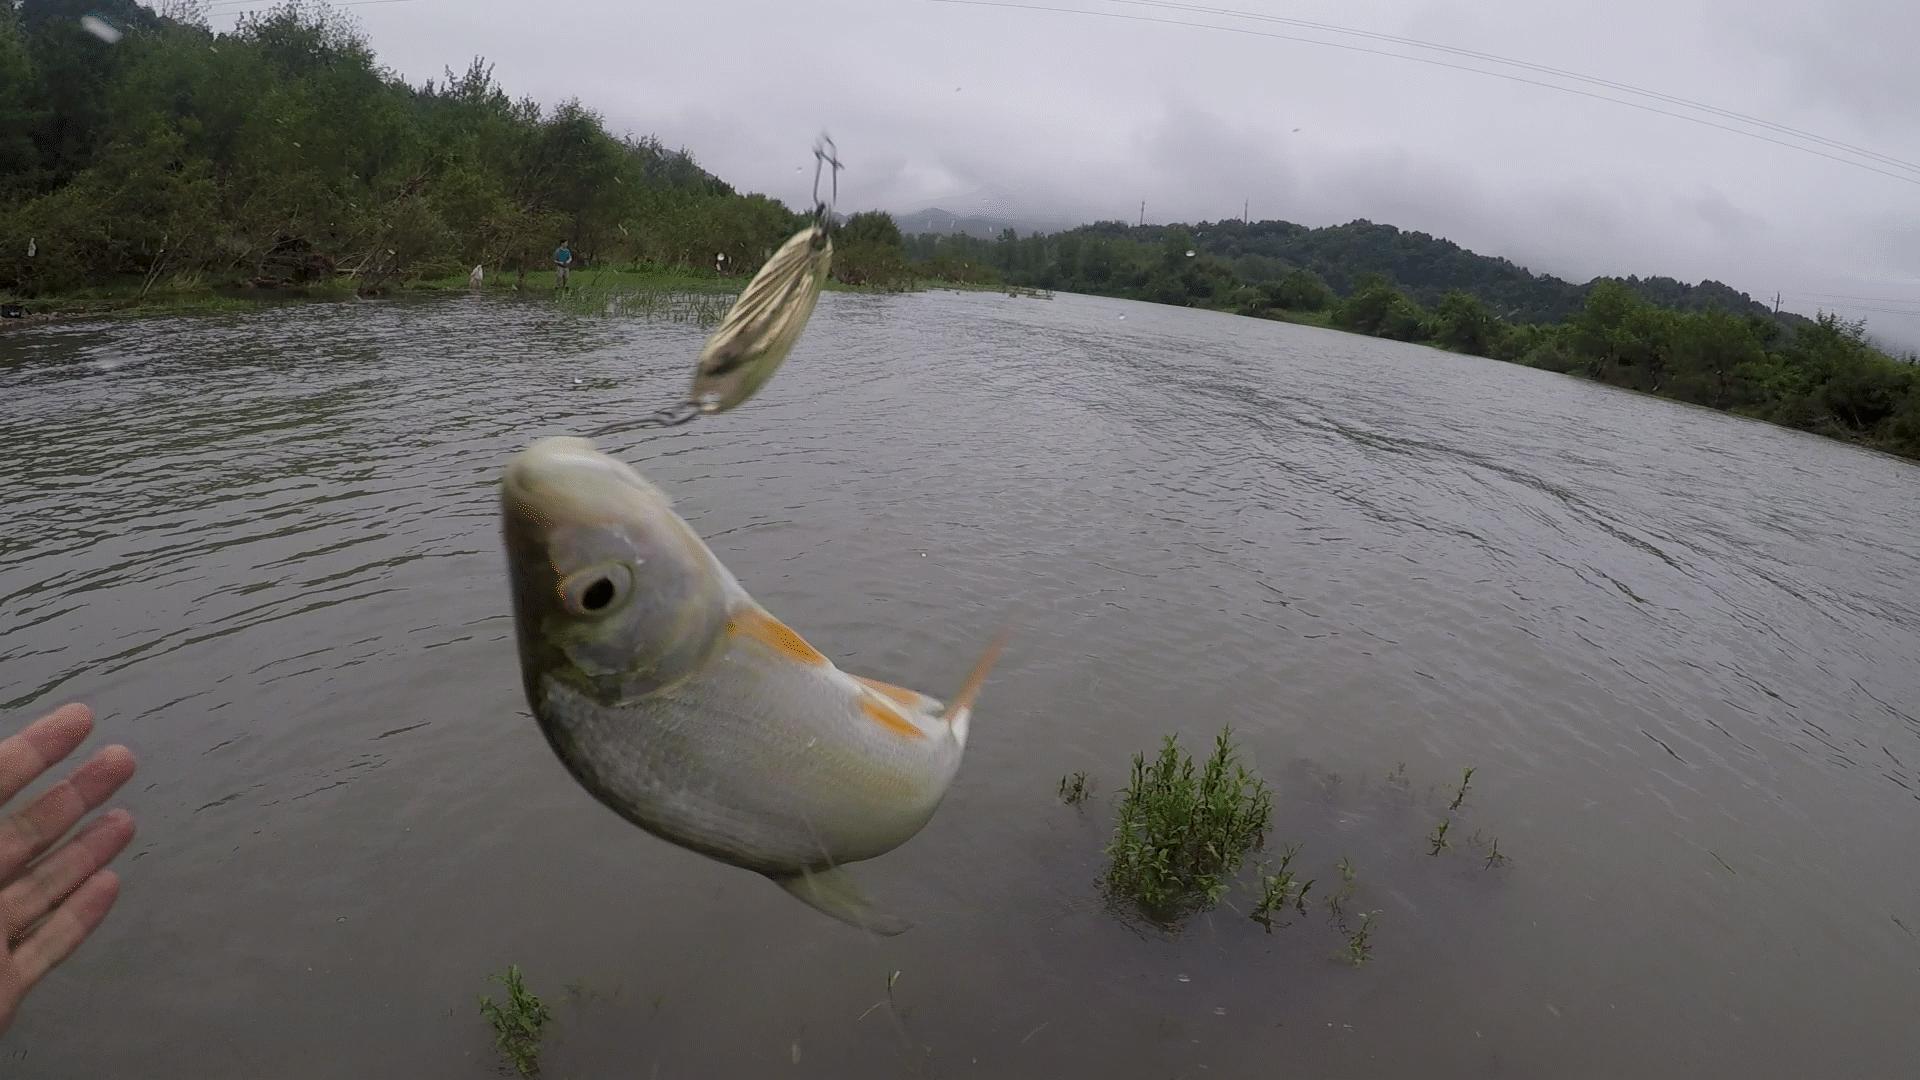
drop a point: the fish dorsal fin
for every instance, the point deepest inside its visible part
(960, 710)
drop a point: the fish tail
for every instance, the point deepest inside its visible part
(832, 892)
(960, 710)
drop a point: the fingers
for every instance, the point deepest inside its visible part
(64, 930)
(23, 902)
(29, 832)
(34, 750)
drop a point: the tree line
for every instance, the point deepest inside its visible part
(1706, 344)
(282, 152)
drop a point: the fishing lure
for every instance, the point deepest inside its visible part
(764, 323)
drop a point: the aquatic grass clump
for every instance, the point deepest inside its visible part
(1181, 832)
(703, 309)
(518, 1023)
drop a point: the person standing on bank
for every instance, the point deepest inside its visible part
(562, 262)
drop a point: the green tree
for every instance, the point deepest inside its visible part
(1377, 308)
(1462, 322)
(1710, 351)
(870, 251)
(1300, 290)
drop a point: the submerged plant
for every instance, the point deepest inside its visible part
(1278, 889)
(1074, 789)
(517, 1024)
(1438, 837)
(1359, 948)
(1494, 857)
(1460, 796)
(1337, 902)
(1181, 833)
(1398, 777)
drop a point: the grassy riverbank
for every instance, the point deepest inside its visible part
(588, 289)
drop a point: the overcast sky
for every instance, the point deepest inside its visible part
(1028, 112)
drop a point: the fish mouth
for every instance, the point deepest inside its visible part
(563, 480)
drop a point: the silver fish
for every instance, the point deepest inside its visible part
(691, 711)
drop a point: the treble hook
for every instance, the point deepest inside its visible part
(825, 154)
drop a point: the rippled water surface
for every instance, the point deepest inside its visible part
(1681, 650)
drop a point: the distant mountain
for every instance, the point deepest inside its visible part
(935, 221)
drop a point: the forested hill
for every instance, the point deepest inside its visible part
(282, 153)
(1424, 267)
(1427, 267)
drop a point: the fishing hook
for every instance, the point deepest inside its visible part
(825, 154)
(671, 416)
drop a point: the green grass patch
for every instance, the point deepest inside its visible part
(517, 1024)
(1183, 830)
(643, 276)
(182, 294)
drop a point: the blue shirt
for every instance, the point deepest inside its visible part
(562, 255)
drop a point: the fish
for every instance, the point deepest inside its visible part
(683, 705)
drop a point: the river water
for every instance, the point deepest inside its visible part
(1678, 648)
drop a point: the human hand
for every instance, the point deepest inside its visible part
(49, 906)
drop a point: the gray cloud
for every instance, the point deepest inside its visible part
(1038, 114)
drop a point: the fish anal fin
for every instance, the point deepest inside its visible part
(832, 892)
(888, 715)
(900, 695)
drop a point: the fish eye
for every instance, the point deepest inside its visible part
(598, 595)
(596, 590)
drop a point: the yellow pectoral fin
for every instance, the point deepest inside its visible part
(755, 624)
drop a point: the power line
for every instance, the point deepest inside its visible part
(1835, 305)
(1575, 91)
(1869, 299)
(1529, 65)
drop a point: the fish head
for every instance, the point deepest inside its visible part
(613, 593)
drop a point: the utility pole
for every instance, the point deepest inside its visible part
(1776, 302)
(1244, 204)
(1143, 212)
